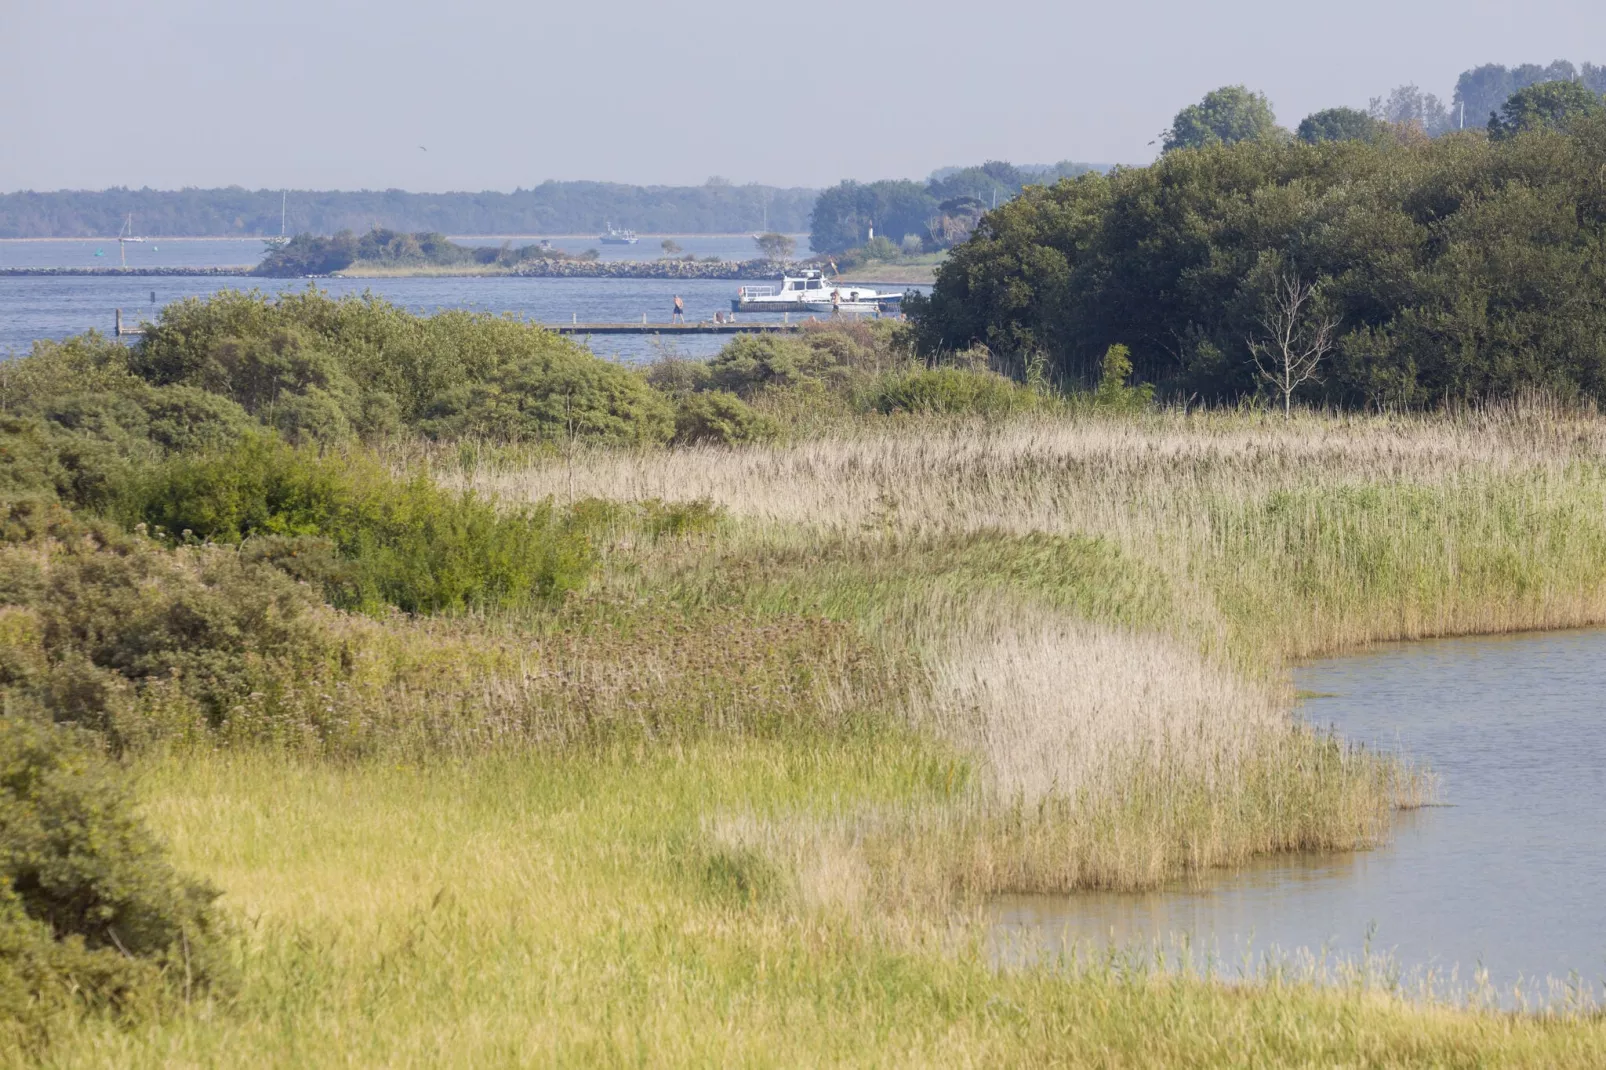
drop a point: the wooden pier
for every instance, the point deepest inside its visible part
(123, 330)
(708, 327)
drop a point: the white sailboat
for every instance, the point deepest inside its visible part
(283, 238)
(125, 235)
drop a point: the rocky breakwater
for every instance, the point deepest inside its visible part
(648, 269)
(135, 272)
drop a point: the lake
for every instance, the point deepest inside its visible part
(1508, 875)
(247, 252)
(56, 307)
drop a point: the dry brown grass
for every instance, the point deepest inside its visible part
(1271, 540)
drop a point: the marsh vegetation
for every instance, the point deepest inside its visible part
(523, 707)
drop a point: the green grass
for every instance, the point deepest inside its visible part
(744, 800)
(585, 911)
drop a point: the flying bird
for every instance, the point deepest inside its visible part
(422, 149)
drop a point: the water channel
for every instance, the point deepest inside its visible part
(1507, 876)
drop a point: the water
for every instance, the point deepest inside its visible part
(247, 252)
(1509, 875)
(56, 307)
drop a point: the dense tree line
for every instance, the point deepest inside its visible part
(1466, 266)
(932, 215)
(550, 208)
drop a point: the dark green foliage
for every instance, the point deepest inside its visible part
(954, 391)
(78, 422)
(308, 254)
(1457, 268)
(845, 214)
(719, 418)
(1338, 124)
(1226, 115)
(1115, 392)
(409, 543)
(313, 368)
(91, 912)
(95, 619)
(553, 395)
(1547, 106)
(751, 364)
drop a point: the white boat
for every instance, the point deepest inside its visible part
(813, 292)
(617, 237)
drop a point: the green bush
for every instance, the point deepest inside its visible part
(719, 418)
(953, 391)
(93, 623)
(1114, 392)
(91, 912)
(318, 368)
(409, 542)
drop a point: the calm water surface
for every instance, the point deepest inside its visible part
(247, 252)
(1509, 875)
(32, 308)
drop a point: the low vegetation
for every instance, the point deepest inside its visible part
(379, 249)
(490, 681)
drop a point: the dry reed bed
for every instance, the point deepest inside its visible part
(1273, 541)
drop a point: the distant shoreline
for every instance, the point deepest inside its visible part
(480, 237)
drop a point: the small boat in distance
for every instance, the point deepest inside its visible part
(813, 292)
(125, 234)
(617, 237)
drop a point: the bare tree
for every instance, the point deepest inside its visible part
(1298, 338)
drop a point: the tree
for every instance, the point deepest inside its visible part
(846, 214)
(1231, 113)
(1298, 337)
(775, 246)
(671, 247)
(1407, 105)
(1546, 106)
(1338, 124)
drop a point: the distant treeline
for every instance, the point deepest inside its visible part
(911, 217)
(1425, 270)
(550, 208)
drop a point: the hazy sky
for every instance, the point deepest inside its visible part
(506, 93)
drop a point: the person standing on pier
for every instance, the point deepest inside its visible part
(679, 315)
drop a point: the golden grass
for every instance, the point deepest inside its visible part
(1206, 553)
(582, 911)
(740, 804)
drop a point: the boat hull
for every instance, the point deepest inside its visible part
(812, 307)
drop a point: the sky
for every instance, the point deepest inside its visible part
(499, 94)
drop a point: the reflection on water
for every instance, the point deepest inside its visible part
(1509, 876)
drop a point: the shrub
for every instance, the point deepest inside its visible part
(410, 543)
(719, 418)
(751, 364)
(91, 912)
(953, 391)
(93, 623)
(1113, 392)
(309, 365)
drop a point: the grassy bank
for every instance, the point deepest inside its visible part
(525, 708)
(525, 911)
